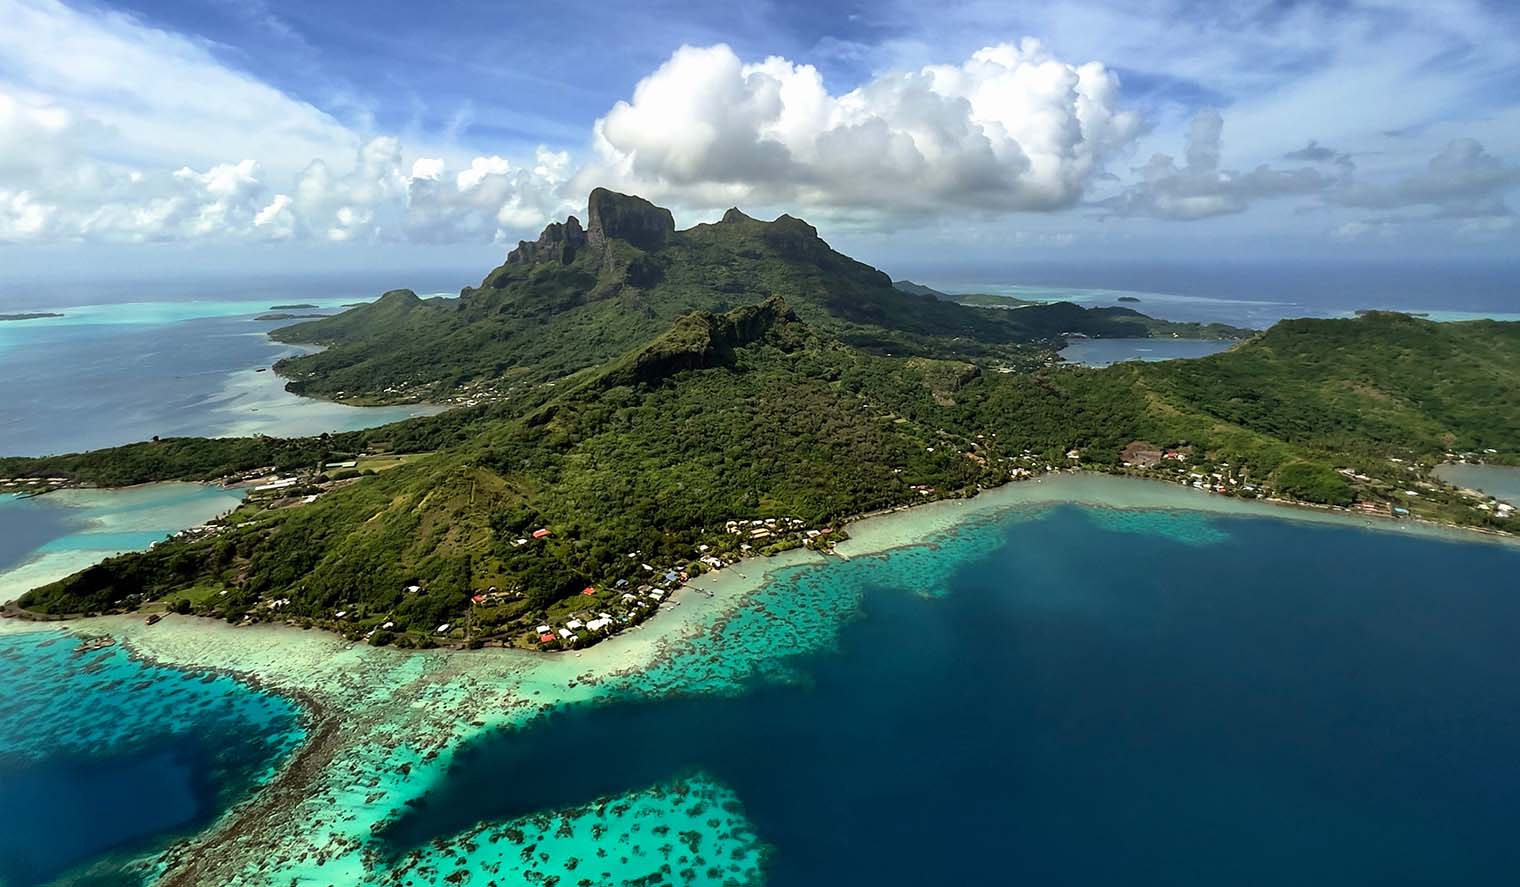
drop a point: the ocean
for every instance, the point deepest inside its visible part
(105, 760)
(1069, 695)
(182, 358)
(1252, 294)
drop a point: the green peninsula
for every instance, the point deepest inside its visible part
(643, 404)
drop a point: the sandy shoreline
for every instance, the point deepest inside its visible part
(384, 723)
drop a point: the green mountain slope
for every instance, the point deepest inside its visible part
(755, 415)
(578, 297)
(723, 417)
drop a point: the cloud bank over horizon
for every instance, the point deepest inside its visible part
(117, 130)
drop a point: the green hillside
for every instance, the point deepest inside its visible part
(578, 297)
(588, 485)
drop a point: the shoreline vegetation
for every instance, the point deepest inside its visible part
(767, 389)
(367, 739)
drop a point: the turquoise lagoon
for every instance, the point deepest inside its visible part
(104, 375)
(44, 538)
(1056, 695)
(1046, 692)
(105, 760)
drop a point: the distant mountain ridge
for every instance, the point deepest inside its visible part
(578, 296)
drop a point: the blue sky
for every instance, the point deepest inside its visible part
(245, 135)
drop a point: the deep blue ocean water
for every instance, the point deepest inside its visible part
(104, 758)
(1088, 698)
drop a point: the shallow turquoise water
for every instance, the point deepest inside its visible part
(1068, 696)
(104, 375)
(43, 538)
(104, 759)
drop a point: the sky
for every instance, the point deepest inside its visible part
(253, 136)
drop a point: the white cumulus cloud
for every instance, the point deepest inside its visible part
(1011, 128)
(1200, 188)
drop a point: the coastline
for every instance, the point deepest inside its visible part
(384, 723)
(111, 522)
(877, 532)
(255, 400)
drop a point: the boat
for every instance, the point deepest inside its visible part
(153, 620)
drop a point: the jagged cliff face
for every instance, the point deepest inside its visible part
(631, 219)
(612, 216)
(559, 243)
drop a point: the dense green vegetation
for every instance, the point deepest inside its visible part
(818, 392)
(576, 299)
(205, 459)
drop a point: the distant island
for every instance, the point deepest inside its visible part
(29, 316)
(638, 404)
(282, 315)
(294, 307)
(1128, 299)
(1361, 312)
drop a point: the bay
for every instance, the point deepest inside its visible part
(44, 538)
(107, 375)
(1070, 695)
(1500, 481)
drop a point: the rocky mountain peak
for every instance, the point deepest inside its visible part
(558, 243)
(614, 216)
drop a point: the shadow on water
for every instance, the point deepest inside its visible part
(1288, 704)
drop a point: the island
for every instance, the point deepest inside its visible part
(34, 315)
(294, 307)
(638, 405)
(1127, 299)
(282, 315)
